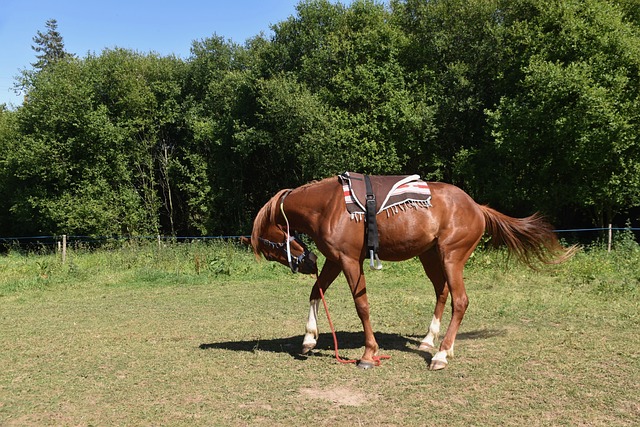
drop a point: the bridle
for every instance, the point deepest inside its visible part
(294, 262)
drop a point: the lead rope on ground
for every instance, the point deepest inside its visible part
(376, 359)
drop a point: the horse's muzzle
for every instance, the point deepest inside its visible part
(308, 264)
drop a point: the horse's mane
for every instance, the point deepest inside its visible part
(265, 217)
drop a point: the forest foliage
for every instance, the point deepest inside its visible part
(528, 105)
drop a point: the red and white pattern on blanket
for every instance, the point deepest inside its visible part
(410, 192)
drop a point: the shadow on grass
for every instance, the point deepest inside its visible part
(481, 334)
(346, 341)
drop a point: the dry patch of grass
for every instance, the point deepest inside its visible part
(340, 395)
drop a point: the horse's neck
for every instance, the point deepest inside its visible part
(308, 205)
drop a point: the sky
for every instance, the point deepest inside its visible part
(160, 26)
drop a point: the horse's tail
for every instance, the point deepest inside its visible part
(529, 239)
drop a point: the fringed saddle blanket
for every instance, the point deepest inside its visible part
(393, 193)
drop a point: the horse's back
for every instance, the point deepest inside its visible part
(454, 207)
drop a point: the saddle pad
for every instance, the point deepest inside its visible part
(390, 191)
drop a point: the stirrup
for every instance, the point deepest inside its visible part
(374, 261)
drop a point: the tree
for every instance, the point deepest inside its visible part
(452, 63)
(142, 95)
(50, 50)
(349, 58)
(9, 137)
(526, 104)
(101, 148)
(68, 175)
(566, 133)
(49, 46)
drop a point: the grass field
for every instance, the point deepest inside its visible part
(202, 335)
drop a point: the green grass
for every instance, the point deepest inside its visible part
(201, 334)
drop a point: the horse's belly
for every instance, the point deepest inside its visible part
(405, 235)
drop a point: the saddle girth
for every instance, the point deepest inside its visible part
(372, 226)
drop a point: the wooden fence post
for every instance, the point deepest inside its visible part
(64, 248)
(610, 238)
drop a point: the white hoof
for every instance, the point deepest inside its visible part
(427, 343)
(426, 346)
(308, 344)
(439, 361)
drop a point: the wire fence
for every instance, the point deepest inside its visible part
(54, 240)
(576, 230)
(63, 242)
(48, 244)
(44, 241)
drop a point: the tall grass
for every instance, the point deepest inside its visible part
(593, 270)
(137, 263)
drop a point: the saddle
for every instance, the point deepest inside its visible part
(366, 196)
(390, 191)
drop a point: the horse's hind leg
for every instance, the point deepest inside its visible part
(432, 264)
(329, 272)
(453, 264)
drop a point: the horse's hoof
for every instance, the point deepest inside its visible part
(364, 364)
(424, 346)
(307, 348)
(437, 365)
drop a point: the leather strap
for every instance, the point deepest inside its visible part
(372, 225)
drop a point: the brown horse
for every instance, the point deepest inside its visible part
(442, 236)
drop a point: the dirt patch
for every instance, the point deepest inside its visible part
(341, 396)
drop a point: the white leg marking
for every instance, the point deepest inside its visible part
(434, 330)
(311, 335)
(450, 351)
(439, 360)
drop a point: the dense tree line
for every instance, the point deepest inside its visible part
(526, 104)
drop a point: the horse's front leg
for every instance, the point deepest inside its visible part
(329, 272)
(354, 273)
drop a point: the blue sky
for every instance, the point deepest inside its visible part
(161, 26)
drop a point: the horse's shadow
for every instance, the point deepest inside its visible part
(346, 341)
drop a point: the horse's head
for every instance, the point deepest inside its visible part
(274, 242)
(288, 251)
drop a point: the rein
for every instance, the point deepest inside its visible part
(288, 232)
(376, 359)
